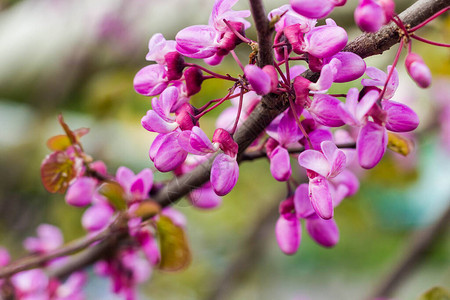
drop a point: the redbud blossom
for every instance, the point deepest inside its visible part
(370, 15)
(80, 192)
(418, 70)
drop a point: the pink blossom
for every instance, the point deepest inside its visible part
(321, 166)
(151, 80)
(80, 192)
(48, 238)
(315, 8)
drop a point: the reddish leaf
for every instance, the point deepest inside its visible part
(175, 252)
(70, 134)
(57, 170)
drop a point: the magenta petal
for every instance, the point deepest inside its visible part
(48, 238)
(198, 41)
(418, 70)
(367, 102)
(369, 16)
(335, 157)
(280, 164)
(154, 123)
(320, 197)
(315, 161)
(324, 232)
(352, 67)
(258, 79)
(196, 141)
(400, 118)
(167, 153)
(167, 100)
(303, 208)
(324, 110)
(124, 176)
(371, 144)
(286, 129)
(325, 41)
(315, 9)
(288, 233)
(31, 283)
(147, 177)
(80, 193)
(97, 217)
(224, 174)
(318, 136)
(205, 197)
(150, 81)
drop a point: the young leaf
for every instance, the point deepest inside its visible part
(61, 142)
(436, 293)
(175, 252)
(399, 144)
(147, 209)
(114, 193)
(57, 170)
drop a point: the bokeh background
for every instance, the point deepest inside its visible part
(79, 57)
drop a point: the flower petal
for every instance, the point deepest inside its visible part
(288, 233)
(315, 161)
(320, 196)
(280, 164)
(302, 203)
(324, 232)
(371, 144)
(224, 174)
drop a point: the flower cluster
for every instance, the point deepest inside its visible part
(368, 114)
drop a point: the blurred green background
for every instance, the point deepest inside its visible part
(79, 58)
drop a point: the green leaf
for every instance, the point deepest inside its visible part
(114, 193)
(175, 252)
(57, 170)
(436, 293)
(399, 144)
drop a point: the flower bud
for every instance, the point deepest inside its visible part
(370, 16)
(325, 41)
(258, 79)
(324, 232)
(288, 233)
(226, 142)
(97, 217)
(175, 65)
(316, 9)
(418, 70)
(80, 193)
(194, 79)
(184, 117)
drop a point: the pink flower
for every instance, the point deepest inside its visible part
(288, 228)
(370, 15)
(215, 40)
(151, 80)
(49, 238)
(80, 192)
(315, 8)
(290, 17)
(166, 153)
(263, 81)
(321, 166)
